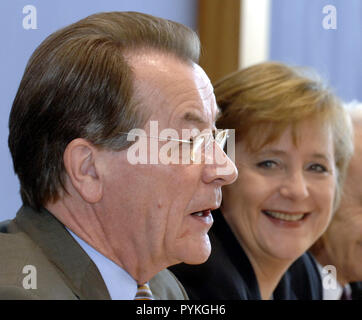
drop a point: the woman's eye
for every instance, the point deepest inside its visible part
(318, 168)
(267, 164)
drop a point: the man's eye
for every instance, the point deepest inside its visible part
(192, 140)
(267, 164)
(197, 140)
(318, 168)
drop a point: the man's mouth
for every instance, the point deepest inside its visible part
(203, 213)
(289, 217)
(203, 216)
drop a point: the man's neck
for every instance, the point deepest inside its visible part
(82, 220)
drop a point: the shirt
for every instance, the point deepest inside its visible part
(332, 290)
(120, 285)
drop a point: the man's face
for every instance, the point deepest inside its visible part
(149, 209)
(344, 236)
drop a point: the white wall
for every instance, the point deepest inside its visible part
(255, 26)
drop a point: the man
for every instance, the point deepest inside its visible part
(339, 250)
(96, 224)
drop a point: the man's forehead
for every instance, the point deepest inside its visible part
(174, 87)
(201, 74)
(153, 62)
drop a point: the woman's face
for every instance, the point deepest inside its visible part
(282, 200)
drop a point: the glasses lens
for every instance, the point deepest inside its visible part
(221, 137)
(198, 142)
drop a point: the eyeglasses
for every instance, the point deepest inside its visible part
(196, 142)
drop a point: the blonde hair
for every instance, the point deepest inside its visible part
(261, 101)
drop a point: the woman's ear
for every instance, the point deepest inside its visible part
(80, 164)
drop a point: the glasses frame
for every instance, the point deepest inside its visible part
(211, 137)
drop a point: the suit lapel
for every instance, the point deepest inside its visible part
(77, 269)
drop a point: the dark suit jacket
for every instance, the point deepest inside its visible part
(228, 273)
(356, 290)
(63, 269)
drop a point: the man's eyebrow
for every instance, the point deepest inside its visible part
(190, 116)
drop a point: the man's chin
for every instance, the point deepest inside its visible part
(197, 254)
(197, 261)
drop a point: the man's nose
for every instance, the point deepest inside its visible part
(220, 169)
(294, 186)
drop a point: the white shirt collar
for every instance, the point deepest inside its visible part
(120, 285)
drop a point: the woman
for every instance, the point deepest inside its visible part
(293, 144)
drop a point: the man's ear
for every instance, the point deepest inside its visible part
(80, 163)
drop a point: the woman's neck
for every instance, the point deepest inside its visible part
(268, 272)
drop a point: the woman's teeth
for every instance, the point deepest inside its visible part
(283, 216)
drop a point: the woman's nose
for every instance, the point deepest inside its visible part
(295, 187)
